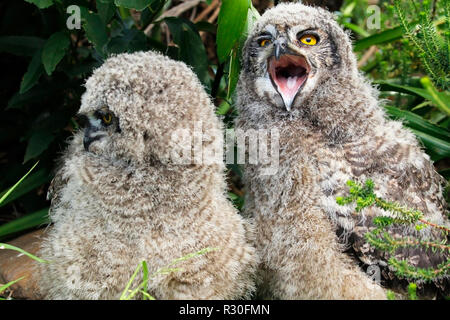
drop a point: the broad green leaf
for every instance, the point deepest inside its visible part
(21, 46)
(153, 11)
(382, 37)
(192, 50)
(34, 72)
(231, 23)
(389, 86)
(32, 182)
(440, 99)
(8, 192)
(139, 5)
(416, 122)
(26, 222)
(37, 144)
(206, 26)
(130, 41)
(438, 146)
(41, 4)
(356, 29)
(445, 173)
(223, 108)
(54, 50)
(347, 11)
(105, 10)
(35, 94)
(233, 73)
(234, 63)
(95, 29)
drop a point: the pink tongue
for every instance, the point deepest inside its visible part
(288, 88)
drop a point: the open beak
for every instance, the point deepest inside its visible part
(288, 73)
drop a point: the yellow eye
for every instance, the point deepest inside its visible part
(308, 39)
(264, 42)
(107, 118)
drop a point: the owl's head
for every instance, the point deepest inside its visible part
(135, 102)
(291, 54)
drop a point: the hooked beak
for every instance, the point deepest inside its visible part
(280, 49)
(91, 134)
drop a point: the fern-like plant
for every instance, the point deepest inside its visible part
(433, 47)
(364, 196)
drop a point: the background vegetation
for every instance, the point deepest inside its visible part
(45, 64)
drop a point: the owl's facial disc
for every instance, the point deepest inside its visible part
(288, 74)
(98, 124)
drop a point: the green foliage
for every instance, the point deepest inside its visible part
(364, 196)
(232, 18)
(412, 291)
(432, 48)
(142, 288)
(408, 58)
(7, 285)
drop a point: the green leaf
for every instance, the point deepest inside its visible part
(192, 50)
(234, 63)
(37, 144)
(233, 73)
(7, 193)
(32, 182)
(440, 99)
(54, 50)
(41, 4)
(36, 93)
(416, 122)
(21, 46)
(440, 147)
(131, 40)
(231, 23)
(34, 72)
(390, 86)
(382, 37)
(105, 10)
(26, 222)
(356, 29)
(206, 26)
(139, 5)
(95, 29)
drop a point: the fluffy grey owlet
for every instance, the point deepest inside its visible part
(121, 197)
(300, 76)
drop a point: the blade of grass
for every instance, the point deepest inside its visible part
(127, 287)
(144, 278)
(29, 221)
(33, 181)
(16, 185)
(11, 247)
(9, 284)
